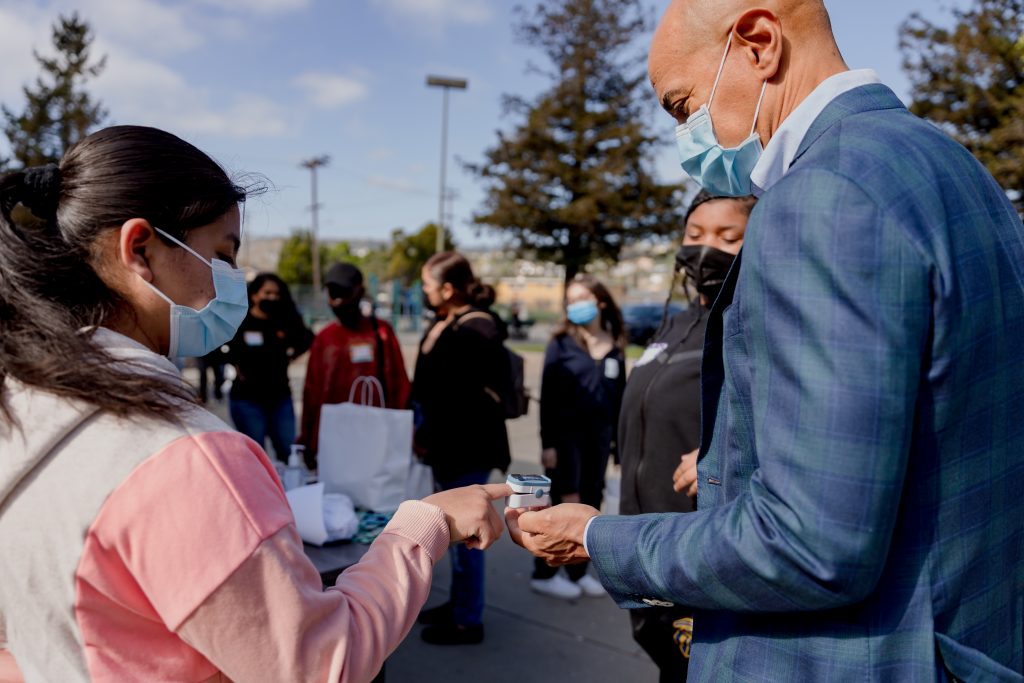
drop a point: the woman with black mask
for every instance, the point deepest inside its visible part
(269, 339)
(660, 419)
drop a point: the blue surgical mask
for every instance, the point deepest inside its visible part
(197, 333)
(582, 312)
(722, 172)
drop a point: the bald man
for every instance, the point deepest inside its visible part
(860, 513)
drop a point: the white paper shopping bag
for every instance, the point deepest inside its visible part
(364, 449)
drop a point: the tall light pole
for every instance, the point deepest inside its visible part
(312, 165)
(447, 84)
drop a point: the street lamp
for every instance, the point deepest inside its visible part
(447, 84)
(312, 165)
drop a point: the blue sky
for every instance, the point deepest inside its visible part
(263, 84)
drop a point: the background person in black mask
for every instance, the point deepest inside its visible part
(354, 346)
(269, 339)
(660, 418)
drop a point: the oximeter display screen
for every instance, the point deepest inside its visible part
(530, 479)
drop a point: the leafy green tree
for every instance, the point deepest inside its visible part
(295, 263)
(572, 183)
(969, 79)
(409, 253)
(58, 111)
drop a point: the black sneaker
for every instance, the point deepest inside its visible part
(442, 614)
(453, 634)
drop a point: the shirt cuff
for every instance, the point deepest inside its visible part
(586, 530)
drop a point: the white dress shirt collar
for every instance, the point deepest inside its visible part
(778, 156)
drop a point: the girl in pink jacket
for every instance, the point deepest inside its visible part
(142, 538)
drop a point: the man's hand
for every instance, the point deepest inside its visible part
(553, 534)
(470, 514)
(685, 476)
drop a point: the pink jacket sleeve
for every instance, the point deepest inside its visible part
(271, 621)
(9, 671)
(200, 538)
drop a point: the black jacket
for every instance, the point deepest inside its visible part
(456, 393)
(579, 408)
(261, 352)
(661, 417)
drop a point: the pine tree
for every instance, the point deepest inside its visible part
(970, 81)
(58, 111)
(573, 182)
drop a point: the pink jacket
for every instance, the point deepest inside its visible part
(166, 551)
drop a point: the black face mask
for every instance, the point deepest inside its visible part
(271, 307)
(706, 267)
(348, 314)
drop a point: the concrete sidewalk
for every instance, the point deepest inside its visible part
(528, 636)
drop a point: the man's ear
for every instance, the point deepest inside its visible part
(137, 239)
(758, 34)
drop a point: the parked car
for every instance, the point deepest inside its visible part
(642, 320)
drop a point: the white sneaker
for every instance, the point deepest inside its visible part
(591, 587)
(557, 587)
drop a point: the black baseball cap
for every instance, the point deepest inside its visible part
(344, 276)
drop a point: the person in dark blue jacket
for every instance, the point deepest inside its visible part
(581, 392)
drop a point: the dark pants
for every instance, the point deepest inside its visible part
(467, 565)
(218, 378)
(655, 630)
(591, 493)
(259, 420)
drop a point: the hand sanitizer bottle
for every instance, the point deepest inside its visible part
(295, 472)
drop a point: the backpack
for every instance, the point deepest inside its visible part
(514, 396)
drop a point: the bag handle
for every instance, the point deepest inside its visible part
(367, 385)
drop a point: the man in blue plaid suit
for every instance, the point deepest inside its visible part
(861, 477)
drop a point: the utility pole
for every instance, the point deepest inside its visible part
(447, 84)
(313, 164)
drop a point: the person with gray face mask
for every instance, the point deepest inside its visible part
(660, 418)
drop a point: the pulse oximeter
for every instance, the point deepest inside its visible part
(528, 491)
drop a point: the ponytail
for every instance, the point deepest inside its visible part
(453, 268)
(51, 294)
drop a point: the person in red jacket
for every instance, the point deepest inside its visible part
(354, 346)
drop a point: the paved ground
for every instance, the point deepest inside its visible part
(528, 636)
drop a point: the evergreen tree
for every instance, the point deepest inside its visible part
(970, 81)
(573, 182)
(58, 111)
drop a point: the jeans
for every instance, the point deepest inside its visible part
(259, 420)
(467, 566)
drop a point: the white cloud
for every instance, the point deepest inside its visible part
(395, 184)
(258, 6)
(149, 25)
(330, 91)
(382, 154)
(19, 34)
(437, 13)
(145, 92)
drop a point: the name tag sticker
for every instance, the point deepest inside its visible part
(253, 338)
(361, 353)
(650, 353)
(611, 368)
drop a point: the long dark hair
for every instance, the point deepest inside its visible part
(289, 311)
(611, 316)
(453, 268)
(50, 287)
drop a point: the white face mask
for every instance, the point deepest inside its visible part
(197, 333)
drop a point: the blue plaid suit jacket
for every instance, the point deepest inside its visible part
(861, 493)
